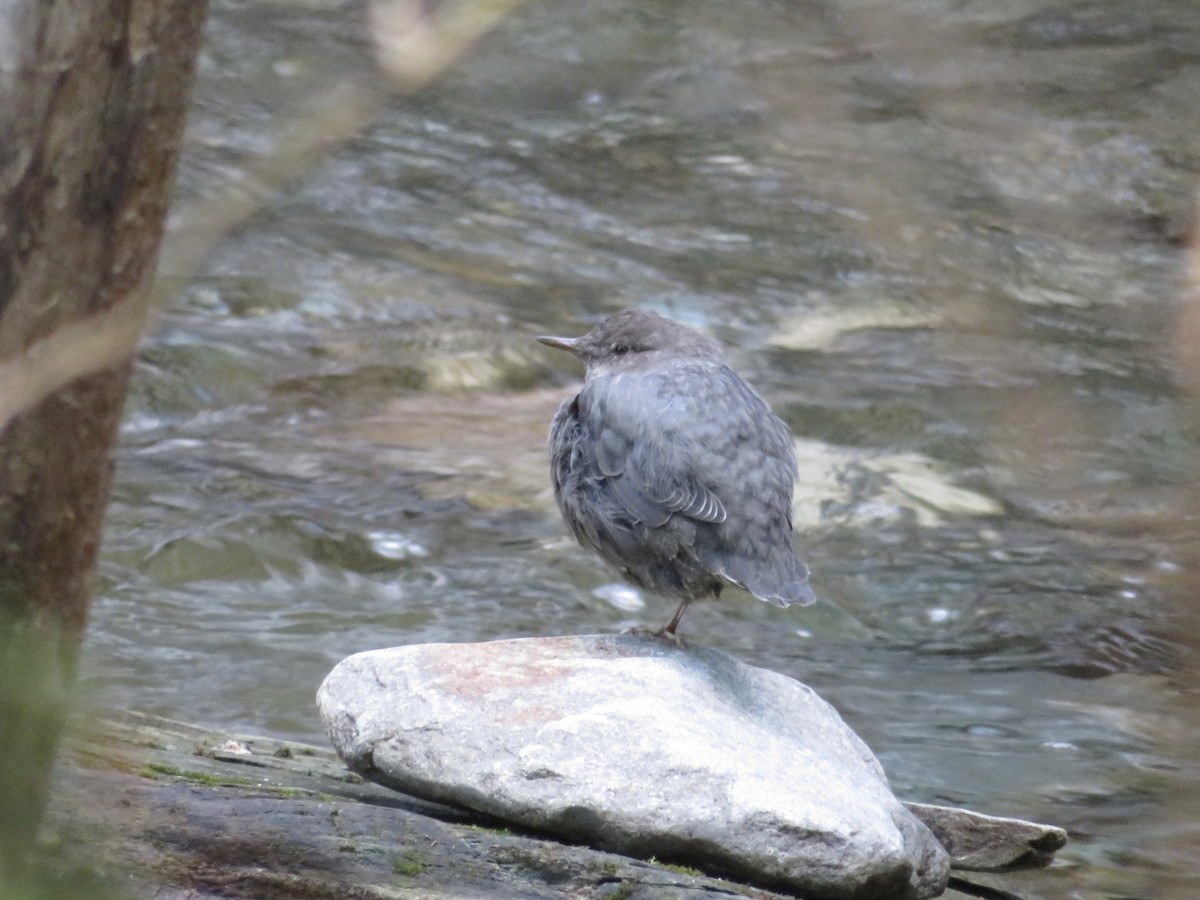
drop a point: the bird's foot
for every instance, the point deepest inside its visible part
(634, 631)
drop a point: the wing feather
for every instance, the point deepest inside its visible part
(647, 465)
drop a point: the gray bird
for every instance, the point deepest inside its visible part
(673, 469)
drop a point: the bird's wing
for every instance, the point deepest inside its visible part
(647, 463)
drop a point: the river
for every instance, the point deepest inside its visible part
(947, 239)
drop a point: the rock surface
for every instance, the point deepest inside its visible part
(980, 843)
(642, 746)
(144, 807)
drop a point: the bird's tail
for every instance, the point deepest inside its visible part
(779, 581)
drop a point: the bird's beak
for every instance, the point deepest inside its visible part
(571, 345)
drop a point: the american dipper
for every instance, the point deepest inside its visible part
(673, 469)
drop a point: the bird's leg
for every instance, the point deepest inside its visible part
(670, 627)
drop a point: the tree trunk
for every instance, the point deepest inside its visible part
(92, 101)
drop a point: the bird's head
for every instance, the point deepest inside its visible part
(635, 338)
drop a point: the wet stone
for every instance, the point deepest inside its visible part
(639, 745)
(982, 843)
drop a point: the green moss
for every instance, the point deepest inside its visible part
(501, 831)
(682, 870)
(409, 865)
(623, 892)
(158, 770)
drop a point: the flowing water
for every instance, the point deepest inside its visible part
(947, 239)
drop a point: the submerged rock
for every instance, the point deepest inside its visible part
(639, 745)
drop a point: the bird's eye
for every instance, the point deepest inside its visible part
(621, 349)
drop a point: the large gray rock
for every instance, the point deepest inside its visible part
(642, 746)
